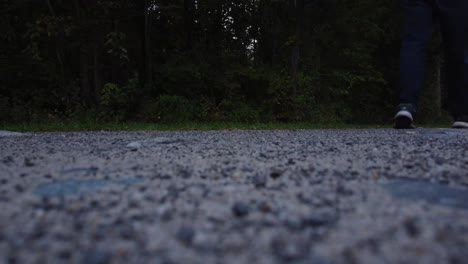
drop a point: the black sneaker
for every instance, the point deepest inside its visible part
(404, 117)
(461, 122)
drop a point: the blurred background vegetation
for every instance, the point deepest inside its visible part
(318, 61)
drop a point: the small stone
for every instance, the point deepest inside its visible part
(19, 188)
(134, 146)
(185, 235)
(294, 223)
(127, 232)
(185, 174)
(28, 163)
(439, 160)
(94, 204)
(162, 176)
(240, 209)
(289, 250)
(411, 227)
(343, 190)
(96, 257)
(205, 243)
(197, 191)
(65, 254)
(319, 219)
(7, 160)
(275, 174)
(38, 232)
(264, 208)
(234, 243)
(259, 181)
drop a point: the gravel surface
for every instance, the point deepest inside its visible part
(306, 196)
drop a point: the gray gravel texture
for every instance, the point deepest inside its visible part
(305, 196)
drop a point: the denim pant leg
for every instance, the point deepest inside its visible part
(417, 29)
(454, 24)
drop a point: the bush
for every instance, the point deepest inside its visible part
(118, 102)
(207, 110)
(5, 109)
(181, 78)
(113, 99)
(241, 112)
(172, 108)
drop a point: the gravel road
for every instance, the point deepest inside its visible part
(305, 196)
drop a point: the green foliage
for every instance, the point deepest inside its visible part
(206, 110)
(115, 45)
(5, 109)
(173, 108)
(112, 96)
(245, 114)
(239, 111)
(117, 102)
(181, 78)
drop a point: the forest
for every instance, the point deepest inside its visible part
(317, 61)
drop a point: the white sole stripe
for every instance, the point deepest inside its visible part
(404, 113)
(460, 124)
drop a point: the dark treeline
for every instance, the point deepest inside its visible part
(202, 60)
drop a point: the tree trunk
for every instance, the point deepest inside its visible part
(438, 85)
(148, 58)
(96, 77)
(189, 8)
(85, 89)
(296, 49)
(84, 76)
(145, 68)
(58, 52)
(264, 40)
(274, 39)
(216, 29)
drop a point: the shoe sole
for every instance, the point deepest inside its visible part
(460, 125)
(404, 120)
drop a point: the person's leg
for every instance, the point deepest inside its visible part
(454, 23)
(417, 29)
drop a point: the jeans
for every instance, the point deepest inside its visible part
(419, 16)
